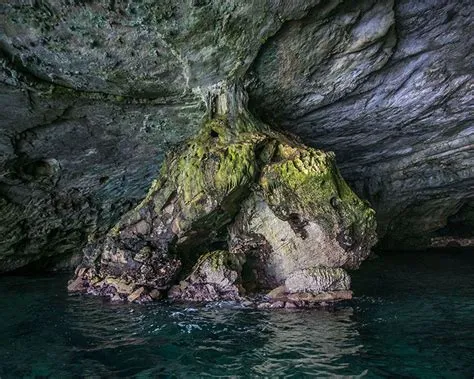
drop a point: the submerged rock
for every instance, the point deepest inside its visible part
(276, 205)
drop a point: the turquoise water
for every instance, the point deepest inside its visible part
(413, 316)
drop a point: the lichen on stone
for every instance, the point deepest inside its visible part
(272, 205)
(306, 181)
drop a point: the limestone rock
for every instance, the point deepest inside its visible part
(302, 215)
(104, 89)
(312, 286)
(216, 276)
(301, 298)
(187, 209)
(135, 295)
(387, 86)
(207, 195)
(317, 280)
(71, 164)
(277, 293)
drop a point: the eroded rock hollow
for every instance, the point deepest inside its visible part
(238, 210)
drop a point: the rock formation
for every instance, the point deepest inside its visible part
(275, 205)
(94, 95)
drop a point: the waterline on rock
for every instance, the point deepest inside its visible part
(412, 315)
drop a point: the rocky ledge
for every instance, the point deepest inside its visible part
(239, 210)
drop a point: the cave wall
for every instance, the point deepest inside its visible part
(388, 87)
(72, 164)
(93, 94)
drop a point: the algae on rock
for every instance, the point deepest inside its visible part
(301, 215)
(185, 213)
(274, 204)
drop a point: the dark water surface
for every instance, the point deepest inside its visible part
(413, 316)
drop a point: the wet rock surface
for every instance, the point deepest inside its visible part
(205, 197)
(216, 276)
(317, 280)
(93, 95)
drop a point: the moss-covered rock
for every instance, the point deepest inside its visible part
(287, 207)
(308, 181)
(302, 214)
(186, 211)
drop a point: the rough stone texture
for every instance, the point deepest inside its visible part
(71, 165)
(185, 212)
(388, 87)
(302, 215)
(142, 48)
(199, 194)
(385, 84)
(135, 70)
(317, 280)
(309, 290)
(304, 299)
(215, 276)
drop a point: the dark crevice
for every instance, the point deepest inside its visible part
(461, 223)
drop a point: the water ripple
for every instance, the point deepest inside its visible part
(407, 324)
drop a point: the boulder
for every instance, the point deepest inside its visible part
(302, 215)
(216, 276)
(317, 280)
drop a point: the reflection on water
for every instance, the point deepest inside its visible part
(414, 318)
(210, 339)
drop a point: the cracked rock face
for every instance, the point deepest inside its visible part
(207, 195)
(71, 166)
(386, 85)
(93, 94)
(215, 277)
